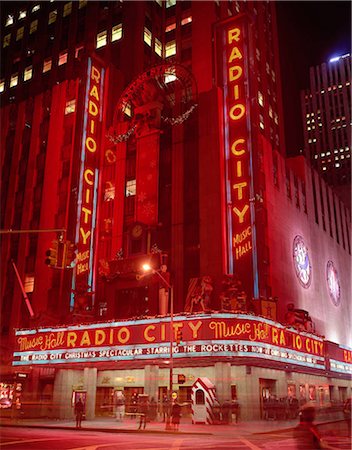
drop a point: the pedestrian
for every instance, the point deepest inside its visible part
(79, 409)
(120, 405)
(143, 407)
(153, 407)
(165, 407)
(306, 433)
(176, 415)
(235, 409)
(347, 414)
(226, 412)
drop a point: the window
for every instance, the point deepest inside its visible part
(33, 26)
(14, 80)
(127, 110)
(47, 65)
(78, 50)
(170, 27)
(19, 34)
(109, 191)
(159, 2)
(6, 41)
(22, 14)
(62, 58)
(29, 283)
(67, 9)
(170, 3)
(186, 20)
(101, 39)
(116, 32)
(70, 107)
(260, 99)
(130, 188)
(52, 16)
(147, 36)
(35, 8)
(2, 85)
(170, 49)
(9, 20)
(158, 47)
(28, 73)
(82, 4)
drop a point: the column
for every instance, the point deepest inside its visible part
(151, 381)
(90, 384)
(223, 381)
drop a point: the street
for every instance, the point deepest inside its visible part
(56, 439)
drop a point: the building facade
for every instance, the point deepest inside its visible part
(326, 113)
(150, 132)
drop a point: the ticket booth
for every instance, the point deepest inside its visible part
(203, 401)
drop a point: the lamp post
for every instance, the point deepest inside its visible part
(148, 268)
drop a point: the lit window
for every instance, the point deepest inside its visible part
(29, 283)
(70, 107)
(116, 32)
(62, 58)
(9, 20)
(315, 156)
(147, 36)
(101, 39)
(127, 110)
(47, 65)
(158, 47)
(14, 80)
(33, 26)
(348, 156)
(260, 99)
(170, 27)
(328, 153)
(261, 125)
(130, 188)
(261, 121)
(257, 52)
(170, 49)
(22, 14)
(109, 193)
(170, 76)
(82, 4)
(337, 165)
(322, 155)
(67, 9)
(267, 68)
(336, 151)
(342, 156)
(276, 120)
(19, 34)
(341, 150)
(35, 8)
(270, 111)
(308, 128)
(170, 3)
(324, 168)
(6, 41)
(186, 20)
(159, 2)
(52, 16)
(27, 74)
(77, 50)
(2, 85)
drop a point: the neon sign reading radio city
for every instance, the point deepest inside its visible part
(89, 174)
(238, 144)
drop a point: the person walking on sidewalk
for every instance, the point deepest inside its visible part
(79, 409)
(143, 407)
(306, 433)
(176, 415)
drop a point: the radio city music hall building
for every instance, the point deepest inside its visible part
(152, 132)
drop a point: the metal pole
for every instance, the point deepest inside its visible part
(171, 360)
(26, 299)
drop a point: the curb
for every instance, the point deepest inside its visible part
(107, 430)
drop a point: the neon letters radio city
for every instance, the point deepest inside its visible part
(218, 334)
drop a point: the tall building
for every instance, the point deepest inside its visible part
(326, 112)
(150, 132)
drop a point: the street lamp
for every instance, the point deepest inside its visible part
(147, 268)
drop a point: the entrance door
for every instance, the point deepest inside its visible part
(185, 398)
(104, 403)
(267, 389)
(129, 392)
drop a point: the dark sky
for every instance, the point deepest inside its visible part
(310, 33)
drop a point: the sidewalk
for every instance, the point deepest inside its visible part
(186, 427)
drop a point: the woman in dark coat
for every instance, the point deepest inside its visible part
(176, 415)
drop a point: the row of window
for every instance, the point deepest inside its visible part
(52, 15)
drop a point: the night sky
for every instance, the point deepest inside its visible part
(310, 33)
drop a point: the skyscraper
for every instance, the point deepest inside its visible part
(150, 132)
(326, 112)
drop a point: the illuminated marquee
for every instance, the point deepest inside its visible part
(88, 182)
(222, 335)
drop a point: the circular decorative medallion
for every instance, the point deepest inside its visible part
(301, 262)
(332, 278)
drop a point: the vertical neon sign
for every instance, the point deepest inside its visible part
(239, 184)
(83, 278)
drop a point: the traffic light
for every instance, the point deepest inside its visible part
(181, 379)
(70, 254)
(178, 336)
(51, 254)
